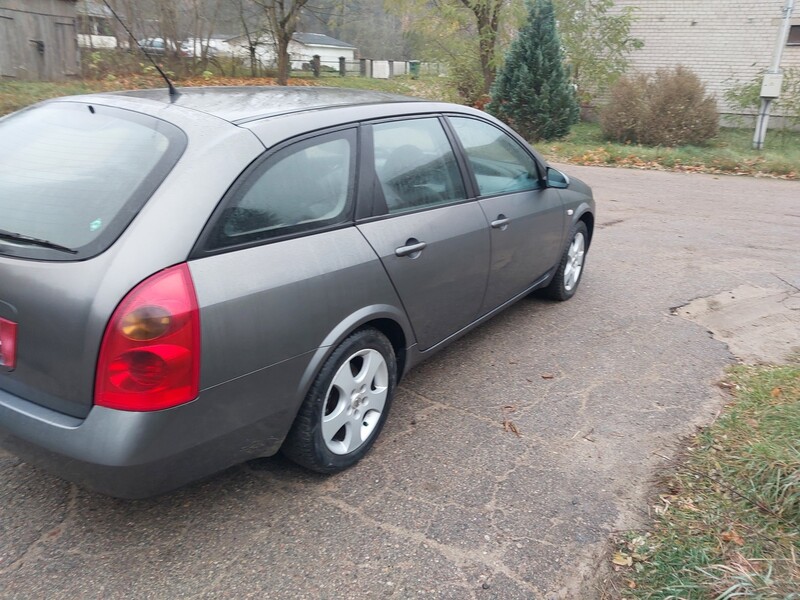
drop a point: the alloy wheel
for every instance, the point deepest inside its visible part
(355, 401)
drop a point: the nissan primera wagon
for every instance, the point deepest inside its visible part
(190, 282)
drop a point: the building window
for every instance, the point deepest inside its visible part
(794, 36)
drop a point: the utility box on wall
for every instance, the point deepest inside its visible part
(38, 40)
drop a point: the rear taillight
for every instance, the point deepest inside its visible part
(150, 355)
(8, 344)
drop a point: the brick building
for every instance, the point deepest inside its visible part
(724, 41)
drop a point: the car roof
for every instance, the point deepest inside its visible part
(242, 104)
(275, 113)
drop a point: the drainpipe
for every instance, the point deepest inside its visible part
(773, 79)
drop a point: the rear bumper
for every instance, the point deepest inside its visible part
(140, 454)
(128, 479)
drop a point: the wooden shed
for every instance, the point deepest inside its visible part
(38, 40)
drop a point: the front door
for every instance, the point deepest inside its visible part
(526, 219)
(432, 241)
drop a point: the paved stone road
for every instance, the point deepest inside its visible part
(448, 504)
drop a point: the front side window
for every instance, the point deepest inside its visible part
(415, 165)
(308, 185)
(73, 176)
(498, 161)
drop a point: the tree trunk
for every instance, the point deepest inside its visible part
(282, 47)
(486, 47)
(282, 18)
(253, 61)
(487, 15)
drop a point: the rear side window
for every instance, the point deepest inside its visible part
(415, 165)
(303, 187)
(73, 176)
(498, 161)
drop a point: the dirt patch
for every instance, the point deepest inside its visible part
(759, 325)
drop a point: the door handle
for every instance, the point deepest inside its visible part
(501, 222)
(413, 248)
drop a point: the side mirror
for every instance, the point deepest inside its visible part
(557, 179)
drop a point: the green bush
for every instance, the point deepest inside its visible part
(99, 64)
(670, 108)
(466, 74)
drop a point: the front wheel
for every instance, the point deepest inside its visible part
(347, 405)
(570, 268)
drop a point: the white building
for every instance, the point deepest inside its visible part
(304, 46)
(302, 49)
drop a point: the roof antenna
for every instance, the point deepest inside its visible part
(173, 93)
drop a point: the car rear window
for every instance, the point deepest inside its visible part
(73, 176)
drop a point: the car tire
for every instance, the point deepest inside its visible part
(347, 405)
(570, 267)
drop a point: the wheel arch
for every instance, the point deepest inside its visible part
(588, 219)
(389, 320)
(396, 336)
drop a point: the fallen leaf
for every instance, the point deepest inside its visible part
(775, 392)
(622, 559)
(632, 584)
(509, 426)
(732, 536)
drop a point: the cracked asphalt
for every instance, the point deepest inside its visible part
(449, 503)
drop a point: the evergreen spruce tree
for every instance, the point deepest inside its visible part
(532, 92)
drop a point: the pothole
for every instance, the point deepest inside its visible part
(759, 325)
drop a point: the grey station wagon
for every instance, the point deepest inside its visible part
(190, 282)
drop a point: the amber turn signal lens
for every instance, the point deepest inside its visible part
(145, 323)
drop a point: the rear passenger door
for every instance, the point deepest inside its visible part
(526, 218)
(432, 240)
(280, 263)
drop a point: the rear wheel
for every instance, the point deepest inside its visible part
(570, 268)
(347, 405)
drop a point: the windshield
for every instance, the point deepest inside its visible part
(74, 176)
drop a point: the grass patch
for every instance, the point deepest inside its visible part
(19, 94)
(728, 523)
(729, 153)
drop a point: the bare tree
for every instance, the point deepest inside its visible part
(282, 18)
(249, 17)
(126, 9)
(466, 33)
(365, 24)
(204, 16)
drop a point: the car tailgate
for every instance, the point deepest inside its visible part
(55, 308)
